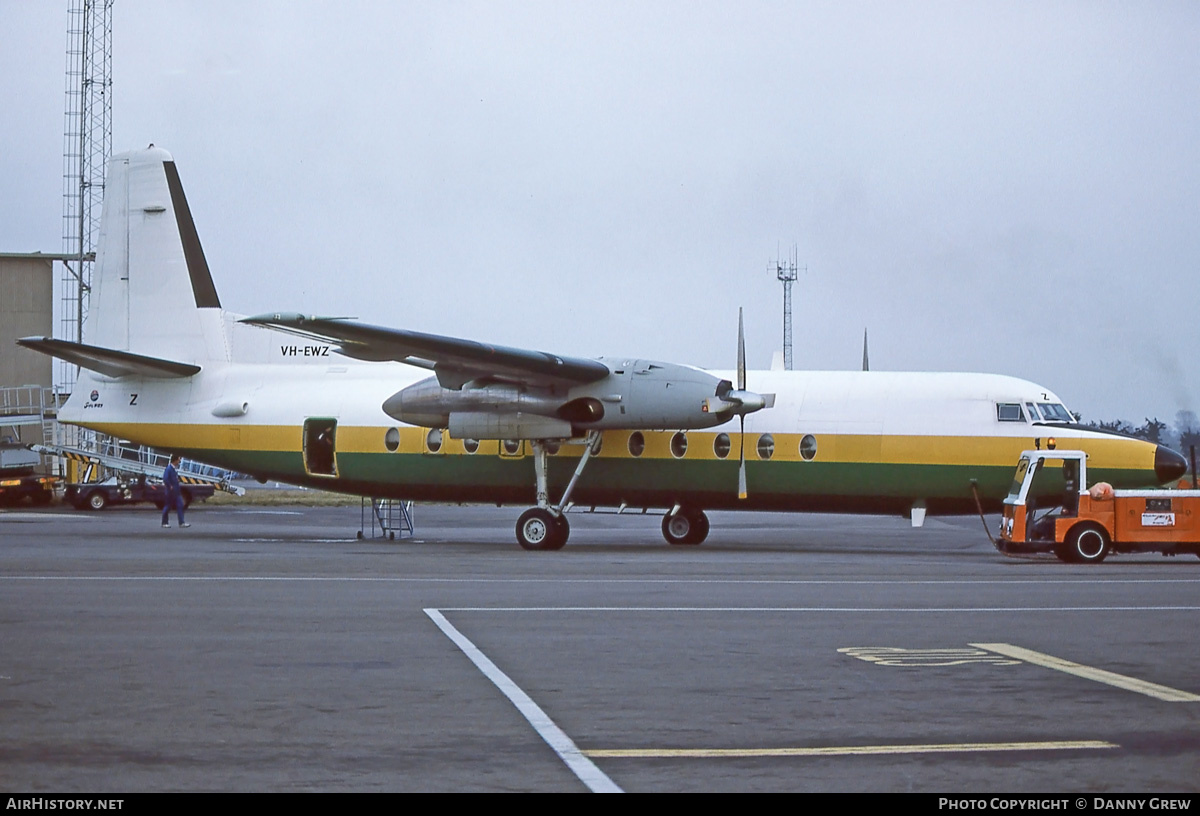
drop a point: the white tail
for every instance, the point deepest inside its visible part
(152, 293)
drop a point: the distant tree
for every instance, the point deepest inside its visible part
(1116, 426)
(1187, 425)
(1152, 431)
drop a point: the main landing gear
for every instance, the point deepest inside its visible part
(685, 525)
(545, 527)
(539, 529)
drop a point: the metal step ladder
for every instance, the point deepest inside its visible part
(388, 516)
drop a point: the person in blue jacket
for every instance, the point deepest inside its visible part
(174, 497)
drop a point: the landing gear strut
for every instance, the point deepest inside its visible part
(685, 525)
(545, 527)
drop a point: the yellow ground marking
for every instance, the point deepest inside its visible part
(847, 750)
(1087, 672)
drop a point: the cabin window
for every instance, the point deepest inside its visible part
(551, 446)
(766, 446)
(320, 436)
(1009, 412)
(511, 446)
(637, 443)
(470, 445)
(679, 444)
(721, 445)
(433, 440)
(808, 448)
(1053, 412)
(391, 439)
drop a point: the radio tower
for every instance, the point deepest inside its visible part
(87, 144)
(786, 272)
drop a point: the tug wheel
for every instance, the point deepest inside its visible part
(1087, 544)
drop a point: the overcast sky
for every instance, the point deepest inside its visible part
(1004, 187)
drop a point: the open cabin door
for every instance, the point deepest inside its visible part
(320, 446)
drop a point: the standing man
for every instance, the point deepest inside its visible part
(174, 497)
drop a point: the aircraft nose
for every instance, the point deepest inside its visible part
(1168, 465)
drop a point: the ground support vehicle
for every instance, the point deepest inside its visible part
(118, 490)
(18, 481)
(22, 475)
(1050, 509)
(137, 477)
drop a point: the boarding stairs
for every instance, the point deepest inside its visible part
(390, 517)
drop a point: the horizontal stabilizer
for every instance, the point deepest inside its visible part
(455, 361)
(110, 362)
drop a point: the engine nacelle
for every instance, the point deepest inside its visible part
(660, 396)
(636, 395)
(429, 405)
(477, 425)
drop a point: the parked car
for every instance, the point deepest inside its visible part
(114, 490)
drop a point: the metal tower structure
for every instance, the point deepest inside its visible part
(87, 144)
(787, 272)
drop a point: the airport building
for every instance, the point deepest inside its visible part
(26, 309)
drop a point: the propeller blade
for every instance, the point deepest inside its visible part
(741, 363)
(742, 462)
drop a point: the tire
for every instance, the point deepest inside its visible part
(539, 529)
(1087, 544)
(97, 500)
(688, 527)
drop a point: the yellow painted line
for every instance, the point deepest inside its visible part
(1166, 693)
(848, 750)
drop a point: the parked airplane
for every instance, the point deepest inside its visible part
(384, 412)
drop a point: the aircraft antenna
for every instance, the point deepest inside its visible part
(786, 270)
(87, 144)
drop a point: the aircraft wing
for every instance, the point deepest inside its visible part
(455, 361)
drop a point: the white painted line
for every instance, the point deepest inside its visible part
(448, 579)
(1087, 672)
(849, 750)
(555, 737)
(241, 511)
(891, 610)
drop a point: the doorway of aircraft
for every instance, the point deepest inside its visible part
(320, 456)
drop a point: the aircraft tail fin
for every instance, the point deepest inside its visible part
(152, 294)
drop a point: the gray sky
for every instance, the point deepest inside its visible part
(1005, 187)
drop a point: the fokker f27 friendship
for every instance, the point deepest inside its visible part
(391, 413)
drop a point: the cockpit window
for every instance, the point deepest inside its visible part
(1009, 412)
(1033, 412)
(1053, 412)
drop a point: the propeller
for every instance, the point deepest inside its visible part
(741, 402)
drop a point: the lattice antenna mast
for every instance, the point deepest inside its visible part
(787, 272)
(87, 144)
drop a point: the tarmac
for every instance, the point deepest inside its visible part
(270, 649)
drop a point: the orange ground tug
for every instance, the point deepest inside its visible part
(1050, 509)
